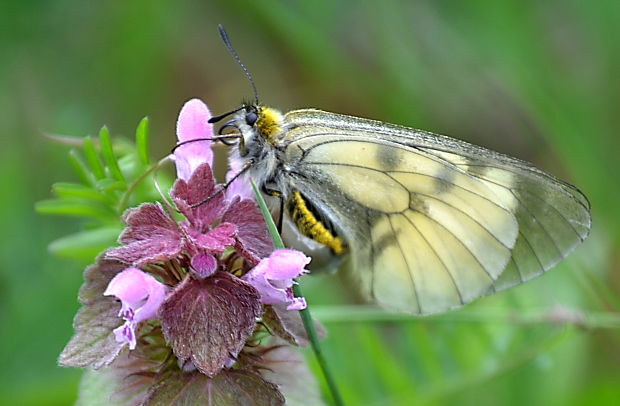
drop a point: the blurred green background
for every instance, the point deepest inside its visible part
(537, 80)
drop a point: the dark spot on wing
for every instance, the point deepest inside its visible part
(444, 180)
(384, 241)
(476, 169)
(417, 203)
(378, 242)
(388, 158)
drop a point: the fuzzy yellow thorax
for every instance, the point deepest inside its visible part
(269, 123)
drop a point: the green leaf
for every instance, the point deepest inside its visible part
(69, 190)
(74, 207)
(93, 158)
(271, 225)
(85, 245)
(108, 154)
(142, 140)
(81, 169)
(111, 185)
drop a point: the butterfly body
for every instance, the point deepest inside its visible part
(429, 222)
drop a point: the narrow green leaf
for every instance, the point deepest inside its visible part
(142, 140)
(69, 190)
(80, 168)
(93, 158)
(108, 154)
(74, 207)
(85, 245)
(306, 317)
(111, 185)
(271, 225)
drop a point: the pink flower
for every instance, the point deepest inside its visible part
(140, 295)
(192, 124)
(239, 187)
(273, 277)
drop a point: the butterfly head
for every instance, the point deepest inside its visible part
(253, 125)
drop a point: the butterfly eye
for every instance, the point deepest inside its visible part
(250, 118)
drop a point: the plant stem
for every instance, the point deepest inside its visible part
(132, 187)
(306, 317)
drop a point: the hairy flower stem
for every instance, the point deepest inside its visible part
(305, 313)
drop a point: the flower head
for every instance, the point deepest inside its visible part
(273, 277)
(141, 295)
(207, 313)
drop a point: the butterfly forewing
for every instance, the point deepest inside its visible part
(431, 222)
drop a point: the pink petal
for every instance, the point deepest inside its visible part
(204, 264)
(269, 294)
(128, 286)
(273, 277)
(241, 186)
(192, 124)
(138, 291)
(126, 333)
(285, 263)
(215, 240)
(157, 294)
(299, 303)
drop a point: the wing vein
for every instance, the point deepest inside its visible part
(467, 215)
(414, 173)
(372, 255)
(525, 207)
(541, 173)
(402, 253)
(456, 287)
(554, 209)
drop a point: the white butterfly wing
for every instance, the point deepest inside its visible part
(431, 222)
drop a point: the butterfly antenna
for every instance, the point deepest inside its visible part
(232, 51)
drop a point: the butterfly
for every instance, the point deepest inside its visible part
(427, 223)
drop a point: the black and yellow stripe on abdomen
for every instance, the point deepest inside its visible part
(308, 224)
